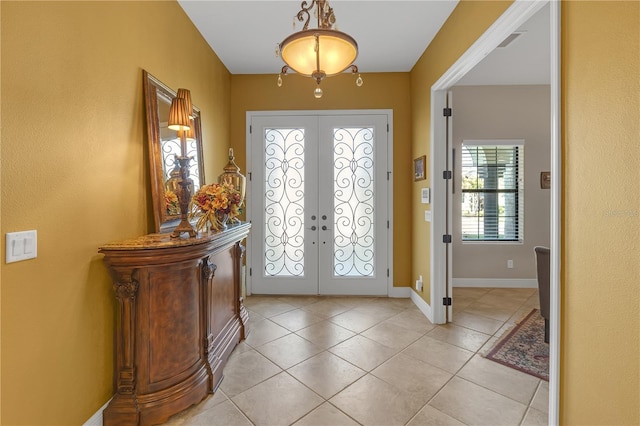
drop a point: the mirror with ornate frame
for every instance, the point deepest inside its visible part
(164, 145)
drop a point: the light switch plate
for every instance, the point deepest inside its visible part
(21, 246)
(427, 215)
(425, 195)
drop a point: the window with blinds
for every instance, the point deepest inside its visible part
(492, 192)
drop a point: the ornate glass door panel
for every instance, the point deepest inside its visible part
(318, 204)
(283, 182)
(284, 188)
(353, 207)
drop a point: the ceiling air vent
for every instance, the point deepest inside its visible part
(510, 38)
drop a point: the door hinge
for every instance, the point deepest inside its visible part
(387, 224)
(446, 112)
(387, 272)
(388, 175)
(446, 301)
(250, 271)
(446, 174)
(249, 176)
(446, 238)
(250, 129)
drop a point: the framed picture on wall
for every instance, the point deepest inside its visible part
(420, 168)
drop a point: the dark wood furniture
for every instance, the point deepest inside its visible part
(179, 316)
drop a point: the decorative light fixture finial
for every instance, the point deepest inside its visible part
(320, 52)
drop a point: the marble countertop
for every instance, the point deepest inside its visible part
(156, 241)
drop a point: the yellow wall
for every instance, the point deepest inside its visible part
(74, 167)
(379, 91)
(600, 365)
(469, 20)
(600, 357)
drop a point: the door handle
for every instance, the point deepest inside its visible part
(324, 228)
(313, 228)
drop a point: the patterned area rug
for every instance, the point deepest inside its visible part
(523, 347)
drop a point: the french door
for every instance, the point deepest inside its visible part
(318, 204)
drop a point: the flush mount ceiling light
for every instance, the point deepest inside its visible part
(320, 52)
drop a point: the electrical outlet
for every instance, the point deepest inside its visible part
(419, 283)
(510, 264)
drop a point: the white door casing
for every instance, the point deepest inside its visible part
(518, 13)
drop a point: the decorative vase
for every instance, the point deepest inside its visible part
(171, 191)
(223, 218)
(215, 222)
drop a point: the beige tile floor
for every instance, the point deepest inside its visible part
(331, 361)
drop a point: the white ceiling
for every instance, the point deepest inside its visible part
(391, 36)
(526, 60)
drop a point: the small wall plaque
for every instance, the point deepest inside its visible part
(420, 168)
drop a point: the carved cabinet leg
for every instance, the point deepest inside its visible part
(123, 409)
(208, 272)
(242, 311)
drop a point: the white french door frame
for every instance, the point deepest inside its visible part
(391, 291)
(516, 15)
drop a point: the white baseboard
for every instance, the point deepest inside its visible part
(96, 419)
(422, 305)
(396, 292)
(496, 282)
(400, 292)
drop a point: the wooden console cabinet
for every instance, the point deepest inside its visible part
(180, 314)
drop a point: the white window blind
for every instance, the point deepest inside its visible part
(492, 192)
